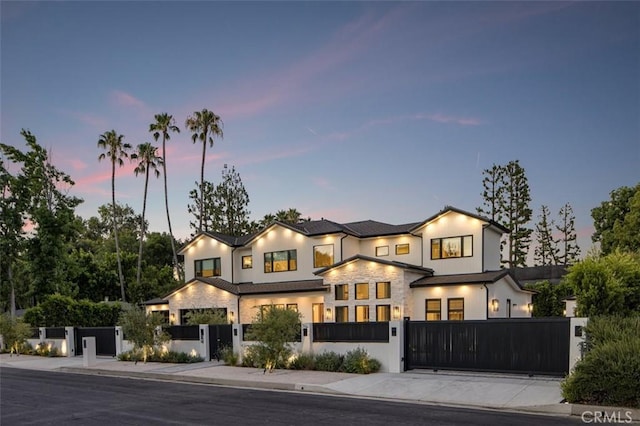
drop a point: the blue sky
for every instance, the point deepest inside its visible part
(343, 110)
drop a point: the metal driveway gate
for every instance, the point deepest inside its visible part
(105, 339)
(526, 345)
(219, 336)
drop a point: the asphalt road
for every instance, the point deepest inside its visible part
(29, 397)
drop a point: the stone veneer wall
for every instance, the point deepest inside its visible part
(201, 295)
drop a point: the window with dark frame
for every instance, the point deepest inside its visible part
(382, 251)
(292, 306)
(342, 314)
(383, 290)
(362, 313)
(362, 291)
(452, 247)
(280, 261)
(402, 249)
(317, 312)
(383, 313)
(208, 267)
(247, 262)
(322, 255)
(455, 309)
(433, 309)
(342, 292)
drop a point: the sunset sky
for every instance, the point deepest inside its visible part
(343, 110)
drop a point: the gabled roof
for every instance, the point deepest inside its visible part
(357, 257)
(488, 277)
(372, 228)
(449, 209)
(229, 240)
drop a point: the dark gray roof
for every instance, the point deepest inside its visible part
(156, 301)
(535, 274)
(372, 228)
(318, 227)
(403, 265)
(488, 277)
(261, 288)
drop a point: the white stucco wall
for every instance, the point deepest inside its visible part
(200, 295)
(504, 289)
(474, 300)
(491, 250)
(205, 247)
(453, 224)
(250, 304)
(414, 257)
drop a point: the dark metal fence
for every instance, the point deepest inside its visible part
(219, 336)
(531, 345)
(351, 332)
(184, 332)
(105, 339)
(54, 333)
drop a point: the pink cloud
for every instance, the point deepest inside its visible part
(441, 118)
(123, 99)
(322, 182)
(78, 164)
(89, 119)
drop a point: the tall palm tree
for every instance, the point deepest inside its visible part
(163, 125)
(148, 160)
(116, 152)
(205, 125)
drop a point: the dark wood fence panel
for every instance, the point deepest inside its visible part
(531, 345)
(184, 332)
(54, 333)
(219, 336)
(351, 332)
(105, 339)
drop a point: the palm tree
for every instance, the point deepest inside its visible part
(205, 125)
(148, 160)
(117, 151)
(163, 124)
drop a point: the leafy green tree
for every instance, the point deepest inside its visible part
(549, 298)
(546, 251)
(568, 238)
(612, 213)
(274, 329)
(117, 151)
(626, 233)
(204, 125)
(148, 161)
(143, 330)
(14, 331)
(291, 216)
(161, 127)
(607, 285)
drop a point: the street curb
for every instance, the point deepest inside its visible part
(619, 413)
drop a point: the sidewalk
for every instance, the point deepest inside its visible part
(474, 390)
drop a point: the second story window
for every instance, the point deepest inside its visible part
(280, 261)
(247, 262)
(342, 292)
(208, 267)
(322, 255)
(446, 248)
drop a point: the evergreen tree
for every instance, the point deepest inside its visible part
(568, 237)
(231, 216)
(546, 251)
(492, 193)
(202, 208)
(517, 213)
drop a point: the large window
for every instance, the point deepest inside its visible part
(433, 310)
(455, 309)
(342, 314)
(382, 251)
(322, 255)
(383, 313)
(279, 261)
(247, 262)
(208, 267)
(317, 312)
(342, 292)
(383, 290)
(452, 247)
(362, 291)
(362, 313)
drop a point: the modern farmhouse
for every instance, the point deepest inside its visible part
(446, 267)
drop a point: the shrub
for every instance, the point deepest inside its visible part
(274, 329)
(15, 332)
(46, 349)
(160, 356)
(143, 330)
(609, 373)
(228, 356)
(61, 311)
(358, 361)
(303, 362)
(206, 316)
(329, 361)
(250, 358)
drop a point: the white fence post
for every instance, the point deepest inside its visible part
(577, 338)
(204, 342)
(396, 347)
(236, 337)
(69, 344)
(307, 338)
(119, 339)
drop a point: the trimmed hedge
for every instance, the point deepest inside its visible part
(609, 373)
(62, 311)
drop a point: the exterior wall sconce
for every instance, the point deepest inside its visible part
(396, 312)
(173, 318)
(232, 316)
(495, 305)
(327, 314)
(530, 307)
